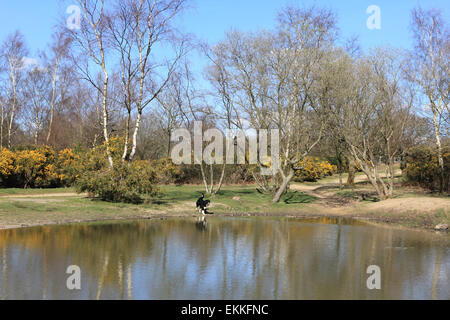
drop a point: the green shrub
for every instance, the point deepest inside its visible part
(420, 166)
(167, 172)
(128, 183)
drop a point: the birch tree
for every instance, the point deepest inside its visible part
(54, 64)
(2, 119)
(91, 40)
(36, 95)
(13, 53)
(137, 27)
(431, 63)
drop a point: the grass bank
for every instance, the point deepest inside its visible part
(31, 207)
(411, 208)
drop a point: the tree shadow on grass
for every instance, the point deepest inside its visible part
(158, 202)
(298, 197)
(235, 192)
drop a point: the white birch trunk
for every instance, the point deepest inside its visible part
(135, 134)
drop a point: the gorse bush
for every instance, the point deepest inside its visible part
(42, 167)
(7, 160)
(313, 169)
(167, 172)
(34, 168)
(421, 166)
(68, 166)
(29, 168)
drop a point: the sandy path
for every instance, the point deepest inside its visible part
(423, 204)
(339, 205)
(315, 189)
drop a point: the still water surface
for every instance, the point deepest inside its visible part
(226, 258)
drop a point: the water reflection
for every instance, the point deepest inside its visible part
(201, 223)
(223, 258)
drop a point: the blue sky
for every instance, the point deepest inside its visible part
(210, 19)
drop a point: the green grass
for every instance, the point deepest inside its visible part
(250, 199)
(442, 216)
(349, 194)
(21, 191)
(180, 201)
(51, 210)
(174, 200)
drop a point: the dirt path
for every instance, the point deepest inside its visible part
(319, 190)
(313, 190)
(326, 198)
(335, 204)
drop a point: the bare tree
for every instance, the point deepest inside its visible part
(220, 80)
(137, 27)
(370, 110)
(2, 120)
(3, 89)
(189, 104)
(91, 42)
(272, 78)
(36, 95)
(13, 53)
(54, 65)
(431, 61)
(171, 106)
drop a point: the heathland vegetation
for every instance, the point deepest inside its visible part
(97, 113)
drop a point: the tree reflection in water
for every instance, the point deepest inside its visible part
(223, 258)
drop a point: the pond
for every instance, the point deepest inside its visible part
(224, 258)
